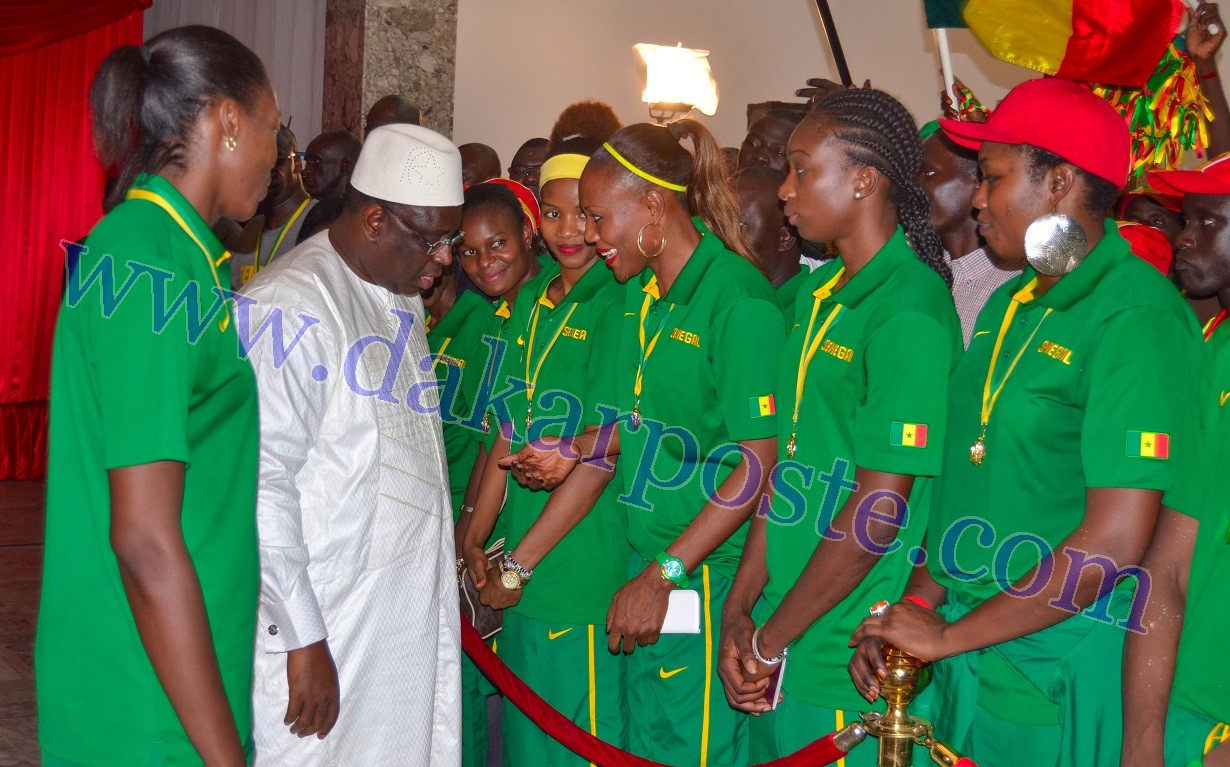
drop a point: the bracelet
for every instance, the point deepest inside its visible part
(511, 565)
(467, 509)
(924, 604)
(1209, 75)
(756, 650)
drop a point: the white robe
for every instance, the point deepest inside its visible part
(353, 514)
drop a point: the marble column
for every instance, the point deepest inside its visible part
(374, 48)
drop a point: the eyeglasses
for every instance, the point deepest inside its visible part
(432, 247)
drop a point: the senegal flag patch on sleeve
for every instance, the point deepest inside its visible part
(762, 406)
(1148, 444)
(908, 435)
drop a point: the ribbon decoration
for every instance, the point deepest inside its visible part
(1166, 117)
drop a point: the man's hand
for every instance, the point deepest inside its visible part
(541, 465)
(744, 678)
(638, 611)
(315, 698)
(1202, 42)
(909, 627)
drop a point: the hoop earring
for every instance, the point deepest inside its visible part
(229, 143)
(640, 245)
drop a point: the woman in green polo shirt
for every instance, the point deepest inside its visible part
(496, 253)
(1062, 417)
(457, 321)
(144, 648)
(571, 549)
(861, 415)
(693, 389)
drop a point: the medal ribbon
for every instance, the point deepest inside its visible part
(1213, 324)
(811, 344)
(281, 235)
(653, 343)
(160, 201)
(440, 354)
(989, 397)
(529, 350)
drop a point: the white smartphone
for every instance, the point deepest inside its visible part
(773, 693)
(682, 613)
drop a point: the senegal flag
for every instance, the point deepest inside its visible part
(1148, 444)
(1111, 42)
(908, 435)
(762, 406)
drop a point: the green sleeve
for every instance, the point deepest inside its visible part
(1193, 455)
(602, 368)
(907, 361)
(1140, 376)
(746, 352)
(144, 378)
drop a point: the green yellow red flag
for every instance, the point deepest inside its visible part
(1113, 42)
(1148, 444)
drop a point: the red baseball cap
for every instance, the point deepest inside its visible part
(1211, 178)
(1060, 116)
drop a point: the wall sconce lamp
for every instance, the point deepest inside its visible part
(677, 80)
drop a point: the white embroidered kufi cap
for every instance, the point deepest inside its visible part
(409, 165)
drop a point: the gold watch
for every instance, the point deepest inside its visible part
(512, 575)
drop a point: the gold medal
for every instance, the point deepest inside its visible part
(978, 450)
(529, 416)
(791, 445)
(486, 423)
(636, 416)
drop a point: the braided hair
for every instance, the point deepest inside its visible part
(879, 132)
(656, 149)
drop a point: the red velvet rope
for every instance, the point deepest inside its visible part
(584, 744)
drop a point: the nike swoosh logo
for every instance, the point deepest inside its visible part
(629, 314)
(1223, 397)
(553, 635)
(982, 333)
(662, 672)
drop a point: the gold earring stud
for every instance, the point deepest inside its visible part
(229, 143)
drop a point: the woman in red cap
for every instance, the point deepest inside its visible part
(1062, 418)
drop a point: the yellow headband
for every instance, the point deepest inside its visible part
(561, 166)
(648, 177)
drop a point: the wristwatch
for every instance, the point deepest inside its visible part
(673, 570)
(512, 575)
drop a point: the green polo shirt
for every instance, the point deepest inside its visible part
(878, 382)
(575, 343)
(788, 293)
(506, 331)
(136, 380)
(1110, 365)
(715, 359)
(456, 343)
(1200, 493)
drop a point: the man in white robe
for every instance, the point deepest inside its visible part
(358, 641)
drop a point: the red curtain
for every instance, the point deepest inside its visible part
(29, 24)
(51, 188)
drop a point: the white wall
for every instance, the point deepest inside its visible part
(520, 63)
(288, 35)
